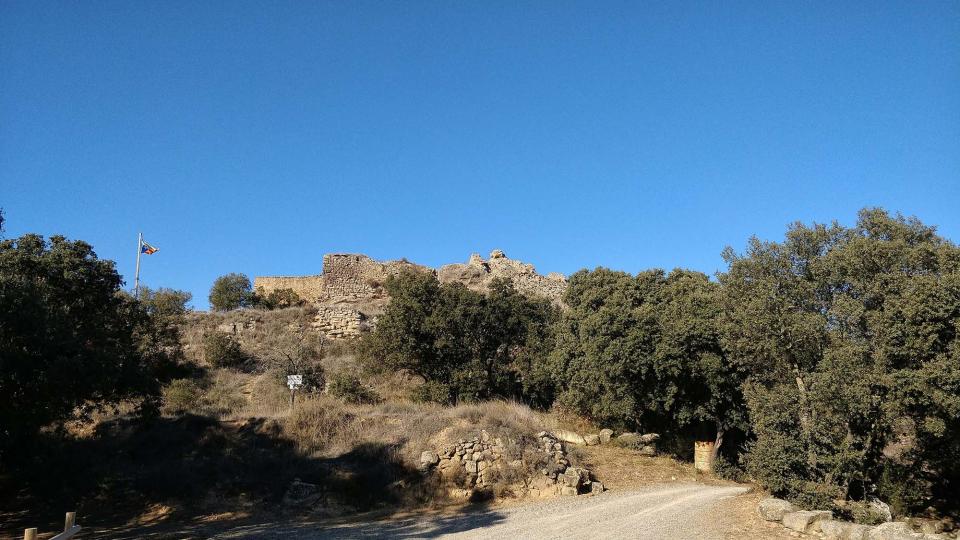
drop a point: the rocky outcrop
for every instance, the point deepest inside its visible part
(477, 274)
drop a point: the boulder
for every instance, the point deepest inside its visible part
(429, 459)
(628, 439)
(894, 530)
(926, 525)
(596, 487)
(591, 439)
(649, 438)
(805, 521)
(772, 509)
(571, 437)
(567, 490)
(648, 450)
(606, 435)
(842, 530)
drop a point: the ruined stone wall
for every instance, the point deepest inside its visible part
(477, 274)
(309, 288)
(349, 293)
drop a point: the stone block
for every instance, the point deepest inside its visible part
(805, 521)
(772, 509)
(894, 530)
(605, 435)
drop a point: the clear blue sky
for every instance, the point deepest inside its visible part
(256, 136)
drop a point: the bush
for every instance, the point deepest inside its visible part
(317, 424)
(222, 350)
(347, 387)
(231, 291)
(181, 396)
(724, 468)
(222, 396)
(431, 392)
(278, 299)
(865, 513)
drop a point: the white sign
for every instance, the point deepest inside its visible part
(293, 381)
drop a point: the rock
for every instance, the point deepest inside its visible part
(497, 254)
(606, 435)
(772, 509)
(482, 465)
(648, 450)
(302, 494)
(833, 529)
(596, 487)
(926, 525)
(649, 438)
(628, 439)
(571, 437)
(592, 439)
(471, 466)
(805, 521)
(842, 530)
(567, 490)
(429, 459)
(894, 530)
(880, 508)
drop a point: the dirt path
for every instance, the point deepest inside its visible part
(674, 511)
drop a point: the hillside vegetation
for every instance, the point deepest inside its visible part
(825, 367)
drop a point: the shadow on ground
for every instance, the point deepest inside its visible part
(193, 476)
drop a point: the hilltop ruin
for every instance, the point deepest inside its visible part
(349, 293)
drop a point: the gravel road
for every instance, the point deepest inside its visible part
(674, 511)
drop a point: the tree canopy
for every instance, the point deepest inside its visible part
(232, 291)
(644, 352)
(70, 340)
(849, 338)
(470, 343)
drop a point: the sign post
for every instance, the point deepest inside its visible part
(294, 382)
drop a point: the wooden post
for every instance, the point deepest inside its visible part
(70, 521)
(30, 534)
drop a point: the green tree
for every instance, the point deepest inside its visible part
(277, 299)
(474, 344)
(231, 291)
(644, 352)
(849, 338)
(69, 339)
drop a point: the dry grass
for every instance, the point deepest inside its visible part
(260, 333)
(321, 424)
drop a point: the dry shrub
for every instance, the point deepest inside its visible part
(224, 397)
(322, 423)
(268, 397)
(181, 396)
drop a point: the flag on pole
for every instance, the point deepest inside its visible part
(147, 249)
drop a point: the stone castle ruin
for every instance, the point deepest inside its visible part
(349, 294)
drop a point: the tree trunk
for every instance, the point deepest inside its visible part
(806, 422)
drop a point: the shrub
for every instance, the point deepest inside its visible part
(223, 396)
(317, 424)
(347, 387)
(278, 299)
(222, 350)
(865, 513)
(724, 468)
(431, 392)
(181, 396)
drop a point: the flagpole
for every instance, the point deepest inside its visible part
(136, 278)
